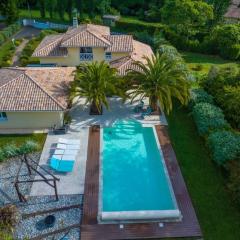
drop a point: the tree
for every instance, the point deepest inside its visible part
(51, 7)
(187, 17)
(160, 79)
(219, 8)
(9, 9)
(95, 81)
(42, 8)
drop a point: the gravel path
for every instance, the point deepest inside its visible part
(18, 52)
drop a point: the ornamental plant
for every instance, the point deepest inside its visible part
(225, 146)
(208, 118)
(200, 96)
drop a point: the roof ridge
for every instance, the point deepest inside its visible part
(58, 103)
(13, 78)
(95, 35)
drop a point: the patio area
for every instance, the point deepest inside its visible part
(73, 182)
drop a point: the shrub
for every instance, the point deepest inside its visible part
(2, 156)
(8, 216)
(223, 84)
(200, 96)
(224, 145)
(208, 117)
(10, 150)
(28, 147)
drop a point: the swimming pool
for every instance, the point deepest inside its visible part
(134, 182)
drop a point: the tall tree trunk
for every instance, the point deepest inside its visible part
(153, 103)
(69, 9)
(42, 8)
(94, 110)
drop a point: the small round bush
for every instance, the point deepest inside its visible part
(225, 146)
(208, 117)
(10, 151)
(28, 147)
(200, 96)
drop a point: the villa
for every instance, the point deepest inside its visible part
(119, 167)
(89, 42)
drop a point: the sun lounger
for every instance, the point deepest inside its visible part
(69, 147)
(66, 152)
(64, 163)
(138, 108)
(68, 141)
(147, 113)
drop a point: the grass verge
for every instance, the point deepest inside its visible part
(204, 62)
(218, 217)
(19, 139)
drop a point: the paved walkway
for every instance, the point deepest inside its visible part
(27, 32)
(19, 49)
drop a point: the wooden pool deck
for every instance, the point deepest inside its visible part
(91, 230)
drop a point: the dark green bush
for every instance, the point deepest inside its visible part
(208, 118)
(200, 96)
(223, 84)
(225, 146)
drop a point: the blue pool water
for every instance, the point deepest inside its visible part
(133, 174)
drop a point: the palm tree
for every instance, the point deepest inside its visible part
(96, 81)
(161, 79)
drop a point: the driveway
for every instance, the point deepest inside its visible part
(27, 32)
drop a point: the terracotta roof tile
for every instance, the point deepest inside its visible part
(50, 47)
(140, 50)
(35, 89)
(87, 35)
(120, 43)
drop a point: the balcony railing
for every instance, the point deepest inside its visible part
(86, 56)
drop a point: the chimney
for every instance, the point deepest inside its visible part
(75, 18)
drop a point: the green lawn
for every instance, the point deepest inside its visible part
(206, 61)
(135, 20)
(19, 139)
(218, 217)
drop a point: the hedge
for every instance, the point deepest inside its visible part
(126, 25)
(208, 118)
(224, 145)
(200, 96)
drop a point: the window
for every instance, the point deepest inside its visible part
(3, 116)
(86, 54)
(108, 55)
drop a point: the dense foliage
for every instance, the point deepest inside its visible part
(225, 146)
(224, 85)
(208, 118)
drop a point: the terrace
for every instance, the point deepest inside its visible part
(84, 180)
